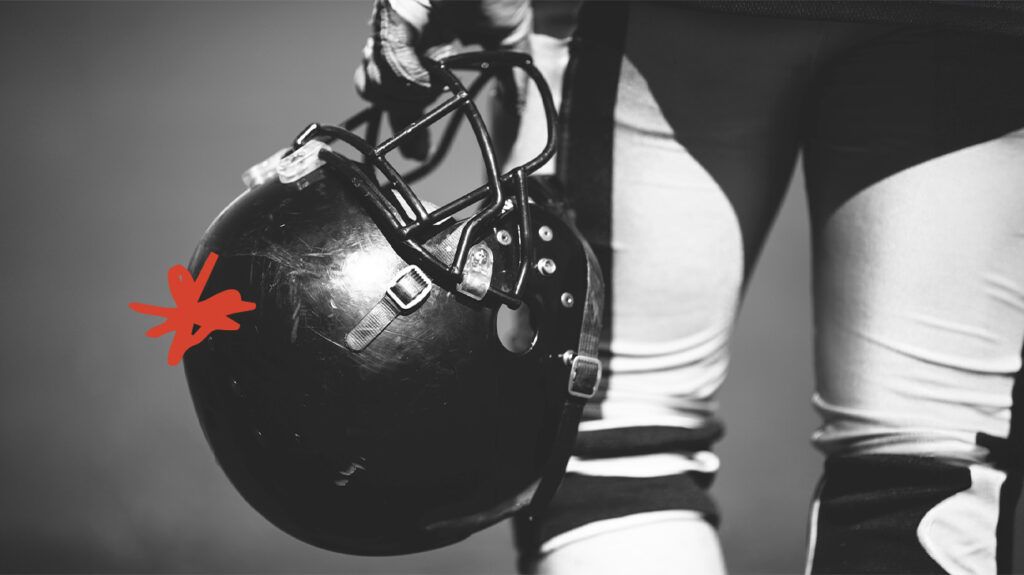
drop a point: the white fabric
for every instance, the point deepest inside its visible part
(550, 56)
(415, 12)
(919, 302)
(678, 269)
(812, 530)
(960, 532)
(610, 525)
(682, 420)
(651, 465)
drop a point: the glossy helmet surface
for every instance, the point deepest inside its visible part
(367, 405)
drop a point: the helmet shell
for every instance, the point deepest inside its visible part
(433, 431)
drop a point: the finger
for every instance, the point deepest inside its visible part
(391, 67)
(362, 77)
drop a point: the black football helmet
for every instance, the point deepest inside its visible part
(367, 405)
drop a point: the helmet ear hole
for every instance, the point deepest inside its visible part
(516, 330)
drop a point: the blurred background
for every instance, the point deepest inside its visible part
(126, 127)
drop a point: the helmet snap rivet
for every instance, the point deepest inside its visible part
(568, 300)
(504, 238)
(545, 233)
(479, 257)
(546, 266)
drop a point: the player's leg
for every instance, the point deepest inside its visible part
(675, 168)
(915, 169)
(675, 542)
(521, 128)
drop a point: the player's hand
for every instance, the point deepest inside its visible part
(406, 31)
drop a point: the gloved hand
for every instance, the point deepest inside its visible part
(404, 31)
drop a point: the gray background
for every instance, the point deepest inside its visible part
(125, 127)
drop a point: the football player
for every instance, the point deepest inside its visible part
(681, 127)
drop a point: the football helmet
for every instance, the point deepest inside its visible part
(368, 404)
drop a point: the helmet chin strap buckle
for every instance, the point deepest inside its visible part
(584, 374)
(407, 291)
(476, 275)
(409, 288)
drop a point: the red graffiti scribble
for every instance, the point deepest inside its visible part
(208, 315)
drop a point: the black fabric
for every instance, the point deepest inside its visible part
(556, 18)
(974, 15)
(732, 89)
(627, 441)
(744, 94)
(1009, 497)
(585, 160)
(1013, 462)
(588, 118)
(574, 506)
(889, 98)
(555, 467)
(870, 507)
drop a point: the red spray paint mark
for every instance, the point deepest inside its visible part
(209, 315)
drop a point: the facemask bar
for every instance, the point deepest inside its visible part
(403, 212)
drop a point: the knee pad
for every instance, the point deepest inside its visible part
(623, 477)
(911, 514)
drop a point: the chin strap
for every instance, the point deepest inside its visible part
(584, 377)
(407, 291)
(412, 285)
